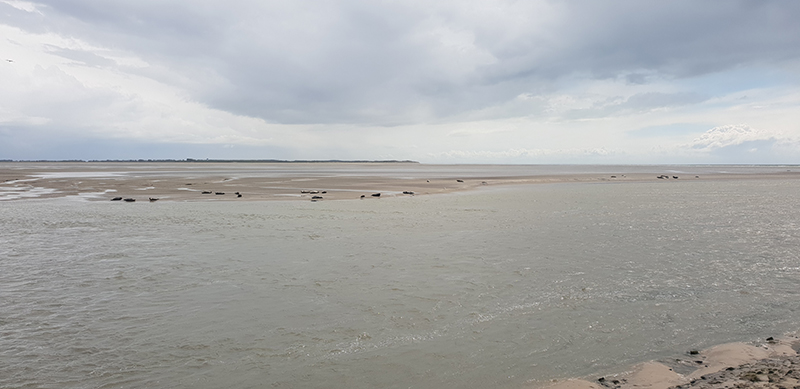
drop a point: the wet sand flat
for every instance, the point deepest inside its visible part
(301, 181)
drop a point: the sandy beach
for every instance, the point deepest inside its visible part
(182, 181)
(773, 363)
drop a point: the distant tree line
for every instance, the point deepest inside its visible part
(215, 160)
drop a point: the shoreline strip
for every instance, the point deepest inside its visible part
(772, 364)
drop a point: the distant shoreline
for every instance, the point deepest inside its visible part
(192, 160)
(387, 161)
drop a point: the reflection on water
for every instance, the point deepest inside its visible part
(492, 288)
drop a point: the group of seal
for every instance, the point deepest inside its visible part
(316, 193)
(407, 192)
(131, 199)
(219, 193)
(154, 199)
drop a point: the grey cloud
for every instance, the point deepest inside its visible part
(645, 101)
(679, 38)
(383, 63)
(636, 78)
(63, 100)
(641, 102)
(85, 57)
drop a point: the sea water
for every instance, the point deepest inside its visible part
(497, 287)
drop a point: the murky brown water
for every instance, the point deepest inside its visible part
(491, 288)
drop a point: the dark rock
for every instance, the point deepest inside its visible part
(459, 180)
(130, 200)
(601, 379)
(694, 352)
(750, 376)
(116, 199)
(219, 193)
(376, 195)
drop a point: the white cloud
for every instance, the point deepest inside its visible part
(730, 135)
(26, 6)
(742, 144)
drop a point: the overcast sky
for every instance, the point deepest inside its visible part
(438, 82)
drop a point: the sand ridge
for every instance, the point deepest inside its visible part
(143, 182)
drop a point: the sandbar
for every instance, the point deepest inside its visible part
(104, 181)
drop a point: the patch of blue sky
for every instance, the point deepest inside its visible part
(738, 80)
